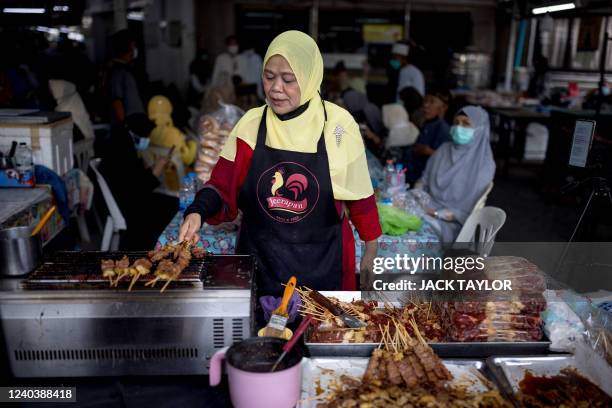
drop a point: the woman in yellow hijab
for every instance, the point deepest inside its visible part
(292, 167)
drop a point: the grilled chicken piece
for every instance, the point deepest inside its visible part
(108, 269)
(198, 253)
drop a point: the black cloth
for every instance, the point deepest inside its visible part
(290, 222)
(132, 184)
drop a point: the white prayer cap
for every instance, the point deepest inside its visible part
(400, 49)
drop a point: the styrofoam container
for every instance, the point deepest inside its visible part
(51, 143)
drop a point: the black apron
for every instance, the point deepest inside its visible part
(290, 222)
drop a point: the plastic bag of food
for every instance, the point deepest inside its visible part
(213, 130)
(397, 222)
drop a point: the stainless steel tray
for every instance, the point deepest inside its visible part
(443, 349)
(507, 372)
(318, 372)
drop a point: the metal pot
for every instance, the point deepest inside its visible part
(20, 253)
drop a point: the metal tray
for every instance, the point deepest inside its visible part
(442, 349)
(317, 373)
(507, 372)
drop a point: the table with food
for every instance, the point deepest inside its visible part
(175, 310)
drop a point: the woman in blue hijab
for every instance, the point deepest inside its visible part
(458, 173)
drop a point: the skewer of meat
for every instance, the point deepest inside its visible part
(143, 267)
(122, 268)
(162, 272)
(198, 253)
(184, 257)
(159, 254)
(108, 270)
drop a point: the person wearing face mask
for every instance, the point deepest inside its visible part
(227, 64)
(409, 76)
(457, 174)
(132, 183)
(294, 167)
(123, 89)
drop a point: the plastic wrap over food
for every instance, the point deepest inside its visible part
(213, 130)
(524, 275)
(562, 326)
(496, 316)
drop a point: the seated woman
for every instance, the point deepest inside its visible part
(457, 174)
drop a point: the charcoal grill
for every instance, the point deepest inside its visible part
(64, 320)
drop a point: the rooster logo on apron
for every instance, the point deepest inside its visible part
(288, 192)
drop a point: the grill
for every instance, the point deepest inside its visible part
(64, 320)
(81, 270)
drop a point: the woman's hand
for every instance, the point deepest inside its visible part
(366, 266)
(190, 229)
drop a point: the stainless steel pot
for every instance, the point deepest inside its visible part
(20, 253)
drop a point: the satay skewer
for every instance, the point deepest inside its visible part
(142, 267)
(122, 268)
(108, 270)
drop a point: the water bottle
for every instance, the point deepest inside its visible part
(389, 174)
(186, 193)
(24, 164)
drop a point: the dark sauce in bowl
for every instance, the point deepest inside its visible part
(258, 355)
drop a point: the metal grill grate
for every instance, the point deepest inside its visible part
(81, 270)
(107, 354)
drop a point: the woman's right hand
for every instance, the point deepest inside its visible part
(190, 228)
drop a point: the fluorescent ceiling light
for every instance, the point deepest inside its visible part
(552, 9)
(23, 10)
(135, 15)
(61, 8)
(76, 36)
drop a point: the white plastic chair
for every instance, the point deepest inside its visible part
(478, 232)
(483, 198)
(115, 221)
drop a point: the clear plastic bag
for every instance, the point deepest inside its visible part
(213, 130)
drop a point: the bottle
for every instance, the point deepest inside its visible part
(186, 193)
(24, 164)
(389, 175)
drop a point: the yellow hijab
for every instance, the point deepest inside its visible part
(346, 153)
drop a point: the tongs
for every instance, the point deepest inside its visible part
(349, 320)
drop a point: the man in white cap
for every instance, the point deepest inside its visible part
(409, 75)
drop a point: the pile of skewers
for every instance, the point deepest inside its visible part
(171, 260)
(328, 328)
(407, 373)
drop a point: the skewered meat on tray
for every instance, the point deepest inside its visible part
(328, 329)
(407, 373)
